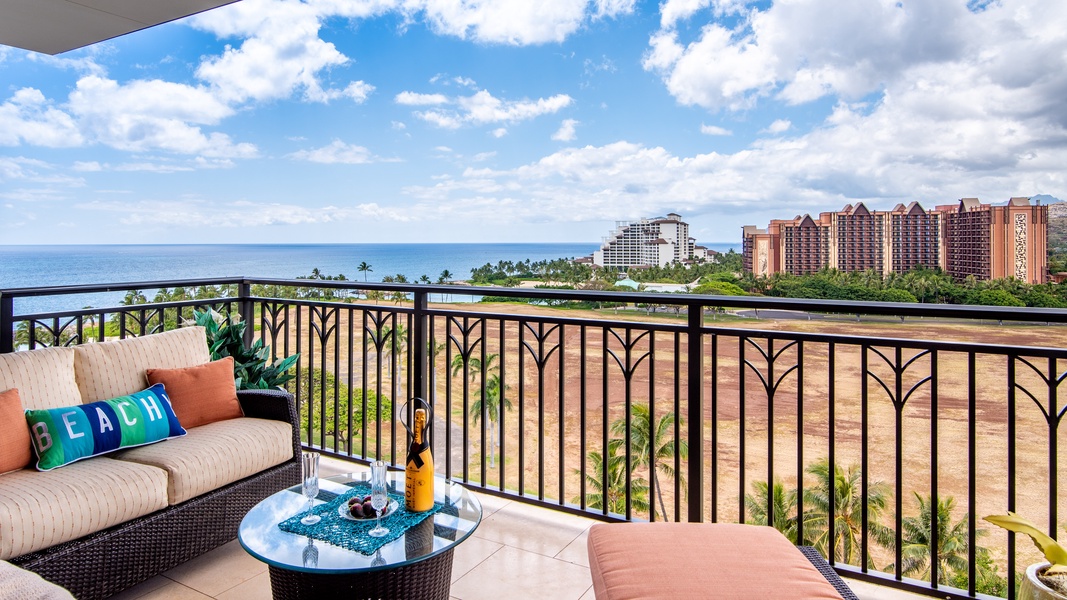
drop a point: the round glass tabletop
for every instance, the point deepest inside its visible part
(260, 535)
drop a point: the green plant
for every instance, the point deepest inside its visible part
(252, 369)
(1055, 553)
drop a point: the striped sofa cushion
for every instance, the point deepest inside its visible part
(213, 455)
(44, 378)
(42, 509)
(117, 368)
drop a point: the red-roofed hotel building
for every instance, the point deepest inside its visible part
(968, 238)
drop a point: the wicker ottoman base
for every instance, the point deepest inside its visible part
(428, 579)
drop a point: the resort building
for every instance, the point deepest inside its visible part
(994, 242)
(657, 242)
(971, 238)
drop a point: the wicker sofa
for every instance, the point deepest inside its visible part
(100, 525)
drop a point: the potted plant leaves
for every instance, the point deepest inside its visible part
(252, 369)
(1043, 581)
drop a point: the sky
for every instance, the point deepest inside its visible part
(375, 121)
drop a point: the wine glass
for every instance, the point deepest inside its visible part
(379, 497)
(311, 555)
(309, 463)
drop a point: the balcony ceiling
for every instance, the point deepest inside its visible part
(54, 26)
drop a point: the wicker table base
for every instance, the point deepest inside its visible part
(429, 579)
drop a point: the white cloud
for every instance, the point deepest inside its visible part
(515, 22)
(27, 117)
(337, 152)
(88, 166)
(499, 132)
(201, 213)
(483, 108)
(281, 52)
(416, 99)
(566, 133)
(358, 91)
(778, 126)
(714, 130)
(153, 115)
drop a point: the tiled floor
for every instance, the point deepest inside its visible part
(506, 557)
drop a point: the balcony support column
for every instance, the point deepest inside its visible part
(7, 324)
(695, 410)
(248, 311)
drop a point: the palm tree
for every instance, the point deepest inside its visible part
(610, 491)
(488, 399)
(847, 500)
(653, 443)
(783, 507)
(365, 268)
(952, 544)
(445, 277)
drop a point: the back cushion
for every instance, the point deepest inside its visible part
(44, 378)
(113, 369)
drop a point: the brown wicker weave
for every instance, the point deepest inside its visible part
(827, 572)
(429, 579)
(104, 563)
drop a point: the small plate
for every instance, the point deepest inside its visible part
(390, 509)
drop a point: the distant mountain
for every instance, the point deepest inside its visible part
(1043, 199)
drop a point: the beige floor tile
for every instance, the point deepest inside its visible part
(257, 588)
(142, 588)
(588, 595)
(174, 591)
(513, 573)
(491, 504)
(532, 528)
(329, 467)
(219, 570)
(470, 553)
(577, 552)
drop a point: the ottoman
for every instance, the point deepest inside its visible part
(704, 560)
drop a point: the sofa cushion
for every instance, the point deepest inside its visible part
(44, 378)
(113, 369)
(27, 585)
(41, 509)
(202, 394)
(14, 435)
(700, 560)
(216, 454)
(63, 435)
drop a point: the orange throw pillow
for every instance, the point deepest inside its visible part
(14, 433)
(202, 394)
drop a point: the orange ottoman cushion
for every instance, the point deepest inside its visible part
(700, 560)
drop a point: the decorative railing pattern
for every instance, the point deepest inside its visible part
(845, 436)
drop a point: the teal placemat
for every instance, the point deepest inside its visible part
(352, 535)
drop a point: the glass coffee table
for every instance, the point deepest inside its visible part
(418, 564)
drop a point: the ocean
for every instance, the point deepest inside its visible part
(35, 266)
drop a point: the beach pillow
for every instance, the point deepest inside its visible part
(61, 436)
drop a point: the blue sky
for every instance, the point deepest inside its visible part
(527, 120)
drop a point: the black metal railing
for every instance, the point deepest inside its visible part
(853, 431)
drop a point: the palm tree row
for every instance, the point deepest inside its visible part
(848, 503)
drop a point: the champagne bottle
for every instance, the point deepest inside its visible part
(418, 489)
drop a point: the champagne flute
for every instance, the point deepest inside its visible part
(379, 497)
(309, 462)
